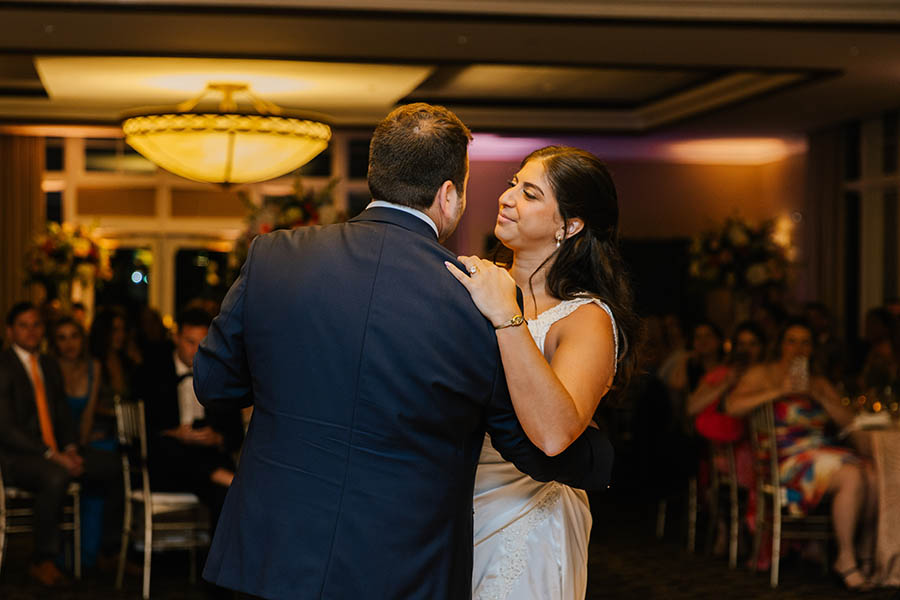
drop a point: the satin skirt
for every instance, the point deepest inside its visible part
(531, 538)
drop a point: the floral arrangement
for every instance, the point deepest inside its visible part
(63, 253)
(743, 257)
(300, 208)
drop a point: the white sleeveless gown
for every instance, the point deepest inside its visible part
(531, 538)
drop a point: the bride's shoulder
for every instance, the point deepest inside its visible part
(586, 316)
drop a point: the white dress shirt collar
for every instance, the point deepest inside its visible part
(407, 209)
(25, 356)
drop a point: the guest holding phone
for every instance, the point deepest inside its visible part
(810, 464)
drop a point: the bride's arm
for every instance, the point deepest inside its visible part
(554, 401)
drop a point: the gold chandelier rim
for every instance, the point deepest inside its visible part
(196, 122)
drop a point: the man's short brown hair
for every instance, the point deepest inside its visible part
(414, 150)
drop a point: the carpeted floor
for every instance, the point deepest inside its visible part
(626, 562)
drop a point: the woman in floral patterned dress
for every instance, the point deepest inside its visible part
(810, 465)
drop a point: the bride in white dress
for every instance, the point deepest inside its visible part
(560, 219)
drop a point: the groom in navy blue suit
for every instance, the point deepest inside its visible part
(373, 379)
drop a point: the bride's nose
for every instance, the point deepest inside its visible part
(507, 199)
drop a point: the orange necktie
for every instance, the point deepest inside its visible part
(40, 399)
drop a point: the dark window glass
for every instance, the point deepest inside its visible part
(357, 202)
(54, 206)
(890, 243)
(131, 161)
(889, 142)
(320, 166)
(54, 153)
(852, 152)
(851, 263)
(359, 158)
(200, 273)
(100, 155)
(114, 156)
(129, 286)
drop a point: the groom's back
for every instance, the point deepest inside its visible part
(370, 371)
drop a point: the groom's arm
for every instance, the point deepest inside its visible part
(221, 372)
(586, 463)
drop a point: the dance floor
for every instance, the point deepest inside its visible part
(626, 562)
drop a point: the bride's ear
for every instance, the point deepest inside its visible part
(573, 226)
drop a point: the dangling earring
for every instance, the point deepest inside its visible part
(559, 237)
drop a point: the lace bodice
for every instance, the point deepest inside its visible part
(540, 325)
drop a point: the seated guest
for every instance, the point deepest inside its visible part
(810, 465)
(707, 406)
(109, 346)
(81, 373)
(39, 446)
(191, 447)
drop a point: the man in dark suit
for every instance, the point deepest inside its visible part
(373, 379)
(191, 448)
(38, 450)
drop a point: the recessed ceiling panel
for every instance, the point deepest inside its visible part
(525, 84)
(128, 82)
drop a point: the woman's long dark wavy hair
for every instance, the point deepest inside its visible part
(589, 262)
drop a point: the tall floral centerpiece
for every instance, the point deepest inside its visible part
(65, 254)
(740, 263)
(300, 208)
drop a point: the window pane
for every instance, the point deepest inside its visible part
(357, 202)
(129, 286)
(359, 158)
(199, 273)
(100, 155)
(131, 161)
(852, 152)
(53, 154)
(114, 156)
(54, 206)
(889, 142)
(320, 166)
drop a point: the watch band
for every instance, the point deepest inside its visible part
(514, 322)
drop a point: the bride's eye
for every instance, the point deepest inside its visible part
(511, 183)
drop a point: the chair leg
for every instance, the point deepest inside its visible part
(712, 526)
(757, 534)
(661, 519)
(776, 539)
(76, 533)
(148, 548)
(734, 516)
(123, 551)
(734, 526)
(692, 515)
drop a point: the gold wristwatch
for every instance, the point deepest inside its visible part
(514, 322)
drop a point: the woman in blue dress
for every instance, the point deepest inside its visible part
(81, 373)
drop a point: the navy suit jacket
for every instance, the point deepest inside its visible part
(20, 428)
(373, 379)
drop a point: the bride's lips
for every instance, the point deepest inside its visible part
(501, 218)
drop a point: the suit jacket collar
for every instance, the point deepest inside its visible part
(396, 217)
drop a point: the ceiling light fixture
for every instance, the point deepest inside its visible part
(227, 145)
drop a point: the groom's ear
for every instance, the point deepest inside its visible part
(445, 198)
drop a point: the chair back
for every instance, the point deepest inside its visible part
(132, 432)
(765, 450)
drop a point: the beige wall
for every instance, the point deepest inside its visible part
(657, 199)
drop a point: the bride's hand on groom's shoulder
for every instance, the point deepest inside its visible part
(492, 288)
